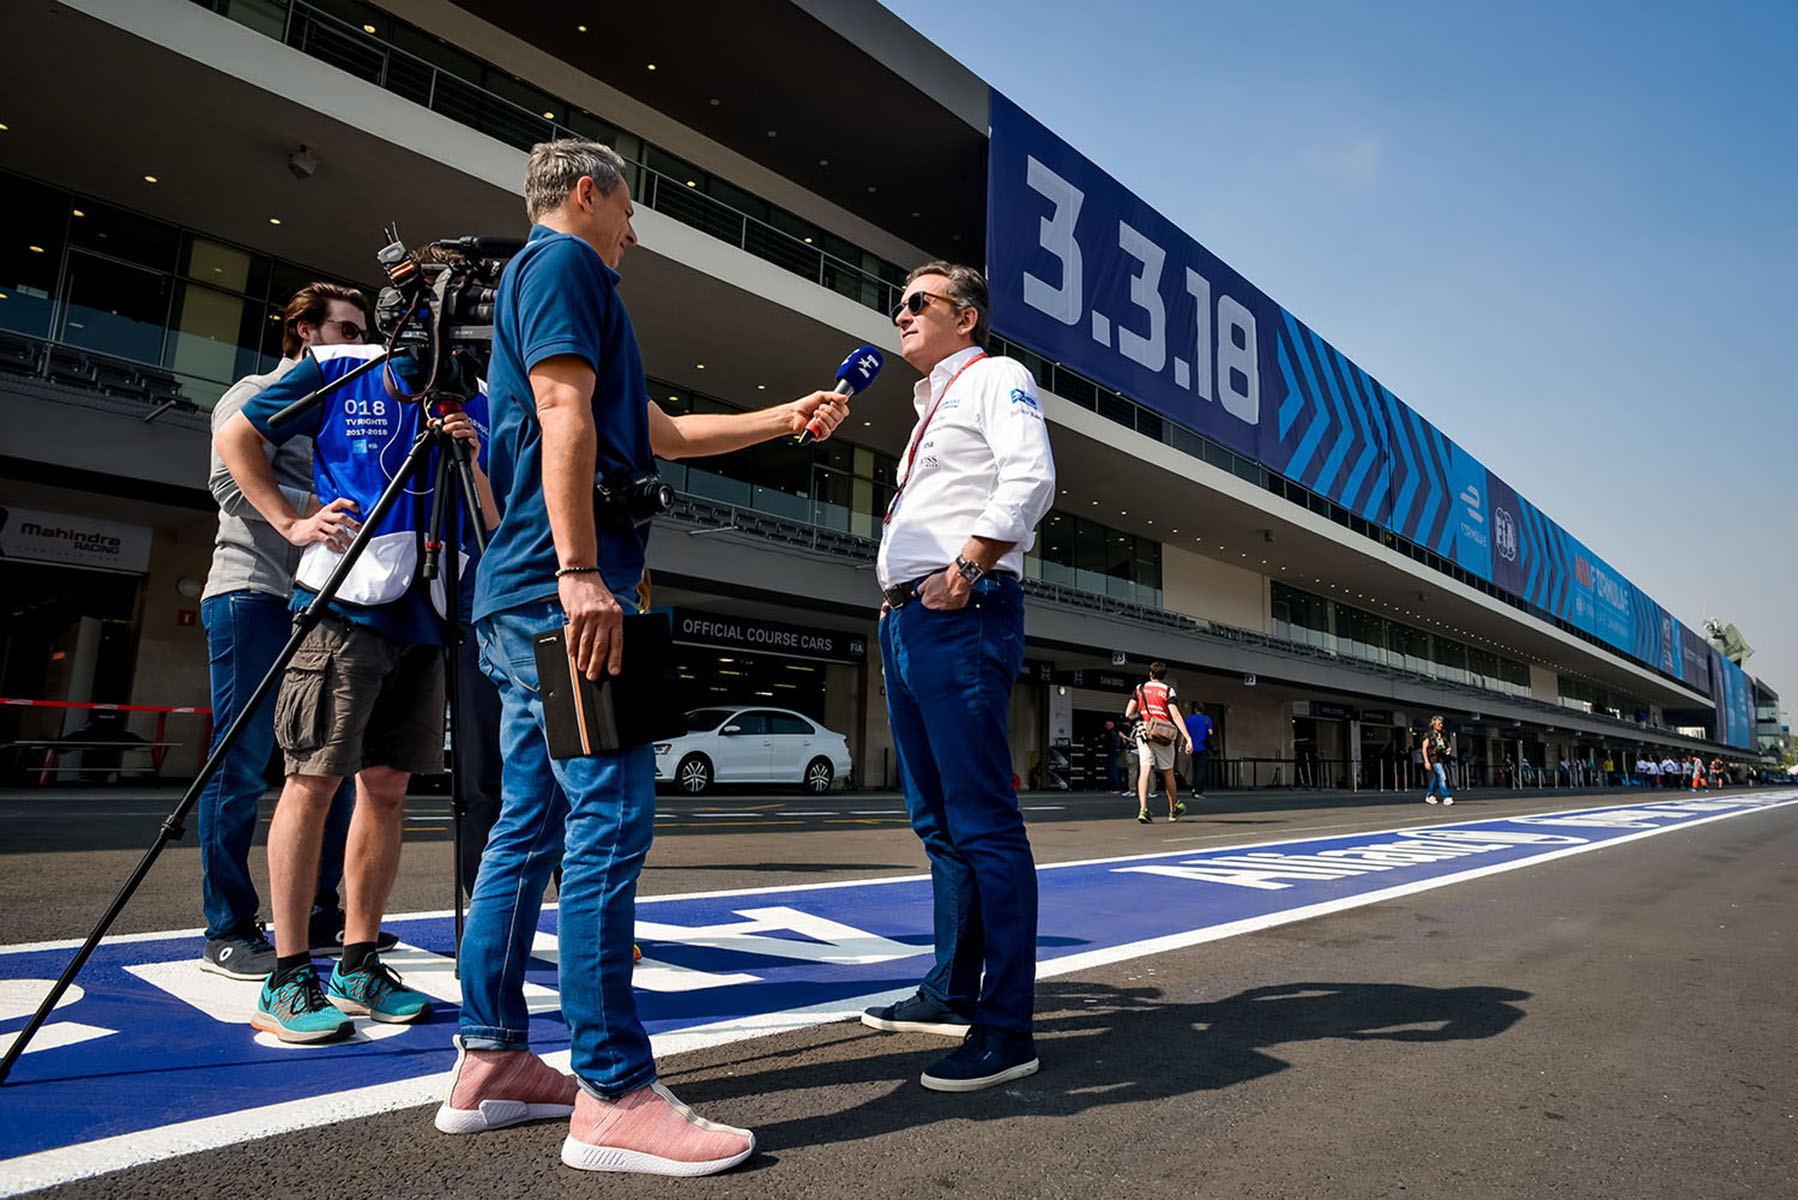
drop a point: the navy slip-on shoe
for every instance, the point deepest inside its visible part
(917, 1014)
(988, 1057)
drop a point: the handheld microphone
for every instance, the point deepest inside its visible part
(856, 373)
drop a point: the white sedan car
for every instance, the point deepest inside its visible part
(752, 745)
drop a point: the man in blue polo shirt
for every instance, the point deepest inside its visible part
(570, 406)
(363, 695)
(1198, 729)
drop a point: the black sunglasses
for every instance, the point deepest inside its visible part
(916, 302)
(348, 329)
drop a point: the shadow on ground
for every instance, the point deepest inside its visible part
(1105, 1045)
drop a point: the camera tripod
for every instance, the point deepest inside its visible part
(453, 470)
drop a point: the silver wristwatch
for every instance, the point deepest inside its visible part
(970, 571)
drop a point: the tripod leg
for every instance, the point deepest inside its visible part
(173, 826)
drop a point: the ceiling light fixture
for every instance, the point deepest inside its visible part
(79, 213)
(368, 29)
(149, 179)
(580, 29)
(652, 66)
(274, 220)
(549, 116)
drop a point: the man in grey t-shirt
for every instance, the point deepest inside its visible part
(245, 611)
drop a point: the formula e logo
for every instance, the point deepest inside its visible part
(1470, 496)
(1020, 396)
(1504, 532)
(1582, 570)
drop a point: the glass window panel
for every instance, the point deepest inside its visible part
(30, 253)
(267, 17)
(208, 332)
(435, 53)
(120, 234)
(1120, 554)
(217, 265)
(1090, 551)
(116, 309)
(1055, 539)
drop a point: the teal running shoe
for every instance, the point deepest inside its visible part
(296, 1010)
(375, 991)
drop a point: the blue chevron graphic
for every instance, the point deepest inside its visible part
(1295, 398)
(1301, 457)
(1403, 478)
(1345, 431)
(1361, 406)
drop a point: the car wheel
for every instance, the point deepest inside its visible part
(818, 776)
(694, 775)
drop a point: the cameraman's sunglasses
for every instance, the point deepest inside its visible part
(918, 301)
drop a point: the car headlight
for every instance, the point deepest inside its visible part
(664, 747)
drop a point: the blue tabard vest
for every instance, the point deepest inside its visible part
(363, 438)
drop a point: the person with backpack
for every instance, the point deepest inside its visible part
(1156, 711)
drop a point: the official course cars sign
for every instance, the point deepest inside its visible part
(696, 628)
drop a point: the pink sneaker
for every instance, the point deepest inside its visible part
(490, 1089)
(651, 1132)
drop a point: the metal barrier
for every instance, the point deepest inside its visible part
(53, 754)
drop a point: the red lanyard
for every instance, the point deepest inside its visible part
(918, 438)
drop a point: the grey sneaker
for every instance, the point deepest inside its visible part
(917, 1014)
(243, 956)
(325, 931)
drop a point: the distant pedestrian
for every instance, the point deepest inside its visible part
(1434, 752)
(1111, 747)
(1198, 732)
(1670, 774)
(1156, 711)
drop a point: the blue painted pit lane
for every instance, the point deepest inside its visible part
(151, 1057)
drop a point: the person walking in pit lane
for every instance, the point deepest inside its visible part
(1156, 710)
(1435, 764)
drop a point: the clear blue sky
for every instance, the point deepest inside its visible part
(1564, 232)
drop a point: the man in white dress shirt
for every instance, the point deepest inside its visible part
(975, 479)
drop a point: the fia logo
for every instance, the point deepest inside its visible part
(1504, 532)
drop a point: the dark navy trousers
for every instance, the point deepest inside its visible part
(949, 676)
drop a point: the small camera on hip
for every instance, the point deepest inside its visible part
(623, 501)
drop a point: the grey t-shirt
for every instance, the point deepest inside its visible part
(249, 555)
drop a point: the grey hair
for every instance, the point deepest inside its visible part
(967, 289)
(555, 167)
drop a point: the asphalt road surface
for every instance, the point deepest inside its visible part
(1618, 1023)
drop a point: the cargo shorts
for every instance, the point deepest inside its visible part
(353, 697)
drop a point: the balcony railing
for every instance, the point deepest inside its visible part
(362, 52)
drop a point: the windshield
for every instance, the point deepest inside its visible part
(704, 720)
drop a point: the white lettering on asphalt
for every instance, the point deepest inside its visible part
(1265, 869)
(830, 941)
(20, 998)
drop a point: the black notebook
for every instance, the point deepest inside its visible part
(631, 708)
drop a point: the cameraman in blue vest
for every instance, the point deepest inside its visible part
(364, 694)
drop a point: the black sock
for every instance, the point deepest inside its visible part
(287, 965)
(355, 954)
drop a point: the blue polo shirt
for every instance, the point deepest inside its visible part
(1198, 728)
(557, 296)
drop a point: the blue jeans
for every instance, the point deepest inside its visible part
(1438, 781)
(245, 631)
(949, 676)
(595, 816)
